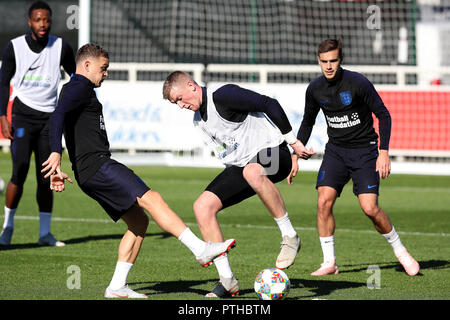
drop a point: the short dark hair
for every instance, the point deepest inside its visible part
(39, 5)
(330, 45)
(91, 50)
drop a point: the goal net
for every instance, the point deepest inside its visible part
(254, 31)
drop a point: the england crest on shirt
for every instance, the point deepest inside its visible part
(346, 98)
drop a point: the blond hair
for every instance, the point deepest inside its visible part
(173, 79)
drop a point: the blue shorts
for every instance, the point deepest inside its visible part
(340, 164)
(115, 187)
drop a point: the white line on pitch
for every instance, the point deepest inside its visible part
(248, 226)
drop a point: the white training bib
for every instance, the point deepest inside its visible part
(37, 75)
(236, 143)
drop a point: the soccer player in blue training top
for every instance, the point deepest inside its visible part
(249, 133)
(116, 188)
(348, 100)
(31, 64)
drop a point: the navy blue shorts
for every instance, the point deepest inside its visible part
(230, 185)
(340, 164)
(115, 187)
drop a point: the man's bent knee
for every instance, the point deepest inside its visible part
(202, 209)
(324, 204)
(371, 210)
(369, 204)
(206, 206)
(149, 199)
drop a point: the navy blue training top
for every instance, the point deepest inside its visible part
(347, 102)
(233, 103)
(80, 115)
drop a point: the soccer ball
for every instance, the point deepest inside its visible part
(272, 284)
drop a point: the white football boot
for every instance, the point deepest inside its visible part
(214, 250)
(289, 249)
(124, 292)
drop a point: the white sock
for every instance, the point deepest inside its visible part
(394, 240)
(9, 217)
(327, 244)
(119, 278)
(223, 266)
(286, 228)
(190, 240)
(44, 223)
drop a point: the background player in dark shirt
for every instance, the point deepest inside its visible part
(348, 100)
(29, 129)
(241, 124)
(115, 187)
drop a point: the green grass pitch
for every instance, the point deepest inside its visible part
(419, 208)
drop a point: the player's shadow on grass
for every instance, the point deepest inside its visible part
(171, 287)
(185, 287)
(321, 287)
(19, 246)
(428, 264)
(316, 288)
(313, 288)
(160, 235)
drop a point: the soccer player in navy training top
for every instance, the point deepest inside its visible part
(249, 133)
(116, 188)
(348, 100)
(31, 64)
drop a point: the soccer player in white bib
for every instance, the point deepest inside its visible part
(31, 64)
(249, 133)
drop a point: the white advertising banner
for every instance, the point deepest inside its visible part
(137, 117)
